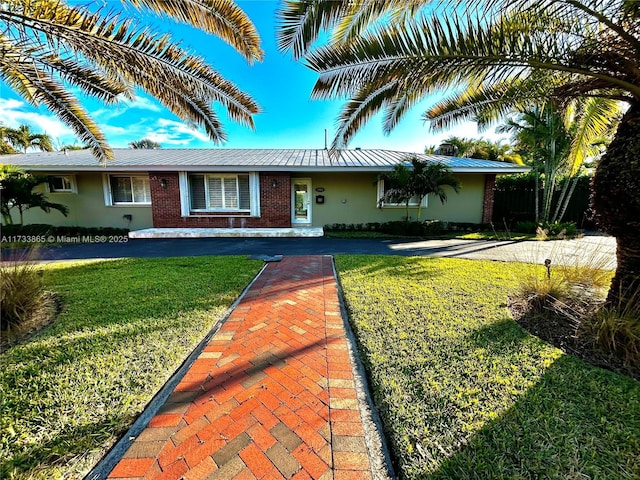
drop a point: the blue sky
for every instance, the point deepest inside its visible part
(281, 86)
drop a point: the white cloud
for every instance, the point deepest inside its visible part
(166, 138)
(176, 128)
(164, 131)
(142, 103)
(123, 107)
(14, 113)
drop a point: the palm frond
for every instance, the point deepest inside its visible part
(597, 119)
(494, 47)
(135, 55)
(362, 16)
(301, 23)
(105, 88)
(222, 18)
(37, 87)
(359, 110)
(487, 103)
(197, 113)
(398, 107)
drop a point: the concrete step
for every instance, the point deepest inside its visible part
(226, 232)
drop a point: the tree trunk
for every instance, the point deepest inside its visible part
(537, 193)
(616, 201)
(565, 198)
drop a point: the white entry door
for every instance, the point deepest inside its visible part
(301, 200)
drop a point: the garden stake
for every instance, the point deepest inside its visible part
(547, 263)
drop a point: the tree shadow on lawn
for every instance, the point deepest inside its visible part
(578, 421)
(71, 443)
(81, 347)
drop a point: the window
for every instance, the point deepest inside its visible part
(62, 184)
(127, 190)
(220, 193)
(382, 189)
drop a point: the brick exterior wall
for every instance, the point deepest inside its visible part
(487, 204)
(275, 205)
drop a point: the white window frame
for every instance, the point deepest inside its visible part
(71, 179)
(412, 203)
(185, 189)
(108, 194)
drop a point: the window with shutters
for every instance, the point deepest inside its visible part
(126, 190)
(220, 193)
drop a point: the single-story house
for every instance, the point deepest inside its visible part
(243, 188)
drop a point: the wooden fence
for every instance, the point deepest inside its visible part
(517, 205)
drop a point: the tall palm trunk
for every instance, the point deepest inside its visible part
(565, 198)
(616, 200)
(537, 193)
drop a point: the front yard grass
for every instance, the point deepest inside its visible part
(126, 325)
(464, 392)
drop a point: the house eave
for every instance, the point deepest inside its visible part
(250, 168)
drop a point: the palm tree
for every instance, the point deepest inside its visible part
(5, 145)
(17, 192)
(415, 179)
(145, 143)
(482, 149)
(487, 58)
(398, 187)
(22, 139)
(49, 46)
(558, 140)
(540, 133)
(431, 178)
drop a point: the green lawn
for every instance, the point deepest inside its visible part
(464, 392)
(126, 325)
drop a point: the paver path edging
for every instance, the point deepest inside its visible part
(272, 395)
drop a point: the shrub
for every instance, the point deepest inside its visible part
(526, 227)
(571, 283)
(410, 229)
(373, 227)
(546, 229)
(407, 228)
(21, 292)
(433, 227)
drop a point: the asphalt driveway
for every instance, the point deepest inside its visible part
(597, 250)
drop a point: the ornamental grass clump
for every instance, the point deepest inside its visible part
(22, 293)
(617, 331)
(565, 283)
(539, 291)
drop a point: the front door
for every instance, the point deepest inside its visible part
(301, 201)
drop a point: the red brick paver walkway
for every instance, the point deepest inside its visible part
(272, 395)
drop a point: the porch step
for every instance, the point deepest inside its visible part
(226, 232)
